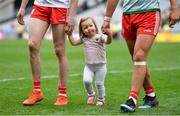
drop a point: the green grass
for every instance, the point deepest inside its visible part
(16, 82)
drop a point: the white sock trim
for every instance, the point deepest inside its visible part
(151, 94)
(89, 95)
(139, 62)
(37, 89)
(61, 94)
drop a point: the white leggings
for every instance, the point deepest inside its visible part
(99, 72)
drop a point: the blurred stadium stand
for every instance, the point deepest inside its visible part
(6, 8)
(9, 28)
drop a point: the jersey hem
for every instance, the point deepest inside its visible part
(51, 6)
(141, 11)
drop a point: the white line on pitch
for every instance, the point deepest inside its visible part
(109, 72)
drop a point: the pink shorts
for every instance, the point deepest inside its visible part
(145, 23)
(50, 15)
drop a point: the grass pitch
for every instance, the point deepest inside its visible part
(16, 82)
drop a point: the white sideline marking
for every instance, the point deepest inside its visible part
(109, 72)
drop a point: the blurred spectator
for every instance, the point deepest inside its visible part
(9, 31)
(1, 34)
(87, 4)
(116, 29)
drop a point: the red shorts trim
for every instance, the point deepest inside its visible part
(145, 23)
(49, 14)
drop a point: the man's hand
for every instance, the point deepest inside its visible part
(105, 27)
(69, 25)
(173, 17)
(20, 16)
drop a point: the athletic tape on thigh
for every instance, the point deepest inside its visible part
(139, 62)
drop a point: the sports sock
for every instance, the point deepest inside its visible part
(62, 90)
(149, 91)
(134, 96)
(37, 86)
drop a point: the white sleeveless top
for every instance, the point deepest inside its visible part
(53, 3)
(94, 51)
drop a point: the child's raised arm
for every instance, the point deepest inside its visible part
(108, 39)
(74, 41)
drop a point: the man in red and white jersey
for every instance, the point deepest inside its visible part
(60, 15)
(140, 25)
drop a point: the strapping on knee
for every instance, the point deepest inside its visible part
(142, 63)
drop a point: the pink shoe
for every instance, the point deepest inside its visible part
(100, 102)
(91, 99)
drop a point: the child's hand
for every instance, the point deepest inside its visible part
(69, 33)
(107, 31)
(70, 22)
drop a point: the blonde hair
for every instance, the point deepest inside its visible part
(81, 33)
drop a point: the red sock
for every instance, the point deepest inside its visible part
(37, 86)
(62, 90)
(149, 91)
(134, 94)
